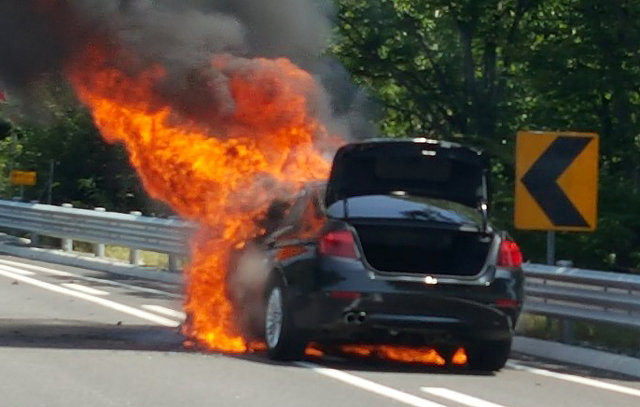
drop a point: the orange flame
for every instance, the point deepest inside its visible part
(427, 356)
(222, 175)
(459, 357)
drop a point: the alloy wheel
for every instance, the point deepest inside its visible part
(273, 320)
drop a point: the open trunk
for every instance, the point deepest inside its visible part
(411, 249)
(419, 206)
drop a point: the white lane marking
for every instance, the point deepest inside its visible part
(96, 300)
(578, 379)
(165, 311)
(84, 289)
(459, 397)
(18, 271)
(13, 265)
(86, 278)
(368, 385)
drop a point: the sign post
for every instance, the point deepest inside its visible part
(556, 183)
(551, 247)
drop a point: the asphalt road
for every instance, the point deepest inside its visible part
(73, 337)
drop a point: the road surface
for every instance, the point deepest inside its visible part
(75, 337)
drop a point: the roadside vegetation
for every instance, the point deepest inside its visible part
(122, 254)
(468, 70)
(599, 336)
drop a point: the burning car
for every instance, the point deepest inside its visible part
(395, 248)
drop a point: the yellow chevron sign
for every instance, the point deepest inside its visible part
(556, 181)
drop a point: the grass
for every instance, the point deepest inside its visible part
(600, 336)
(120, 253)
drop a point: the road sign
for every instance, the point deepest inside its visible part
(556, 181)
(27, 178)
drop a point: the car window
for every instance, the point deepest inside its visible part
(294, 215)
(313, 216)
(274, 216)
(318, 200)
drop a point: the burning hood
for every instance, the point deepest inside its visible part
(416, 167)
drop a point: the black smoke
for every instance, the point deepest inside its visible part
(39, 37)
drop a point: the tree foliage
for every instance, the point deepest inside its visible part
(87, 172)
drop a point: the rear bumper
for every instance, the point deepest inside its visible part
(374, 318)
(376, 309)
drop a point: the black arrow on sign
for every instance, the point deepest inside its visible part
(541, 181)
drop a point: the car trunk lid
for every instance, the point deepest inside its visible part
(420, 167)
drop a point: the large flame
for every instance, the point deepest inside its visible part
(222, 175)
(222, 172)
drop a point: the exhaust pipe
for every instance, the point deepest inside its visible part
(356, 318)
(350, 317)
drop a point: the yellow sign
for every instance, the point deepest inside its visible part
(556, 181)
(23, 178)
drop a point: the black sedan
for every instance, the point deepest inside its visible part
(395, 248)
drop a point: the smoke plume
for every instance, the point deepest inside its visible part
(39, 38)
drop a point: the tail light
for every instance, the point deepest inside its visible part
(510, 254)
(338, 243)
(507, 303)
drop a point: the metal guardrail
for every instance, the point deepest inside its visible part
(585, 295)
(170, 236)
(559, 292)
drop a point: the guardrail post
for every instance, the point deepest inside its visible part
(34, 237)
(67, 244)
(174, 263)
(567, 328)
(99, 248)
(174, 259)
(135, 257)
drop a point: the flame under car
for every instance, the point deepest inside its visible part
(395, 248)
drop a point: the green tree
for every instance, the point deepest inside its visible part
(438, 67)
(86, 171)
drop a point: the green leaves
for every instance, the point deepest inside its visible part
(87, 171)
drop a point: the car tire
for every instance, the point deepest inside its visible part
(488, 356)
(283, 340)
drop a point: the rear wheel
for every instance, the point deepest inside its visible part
(284, 341)
(489, 356)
